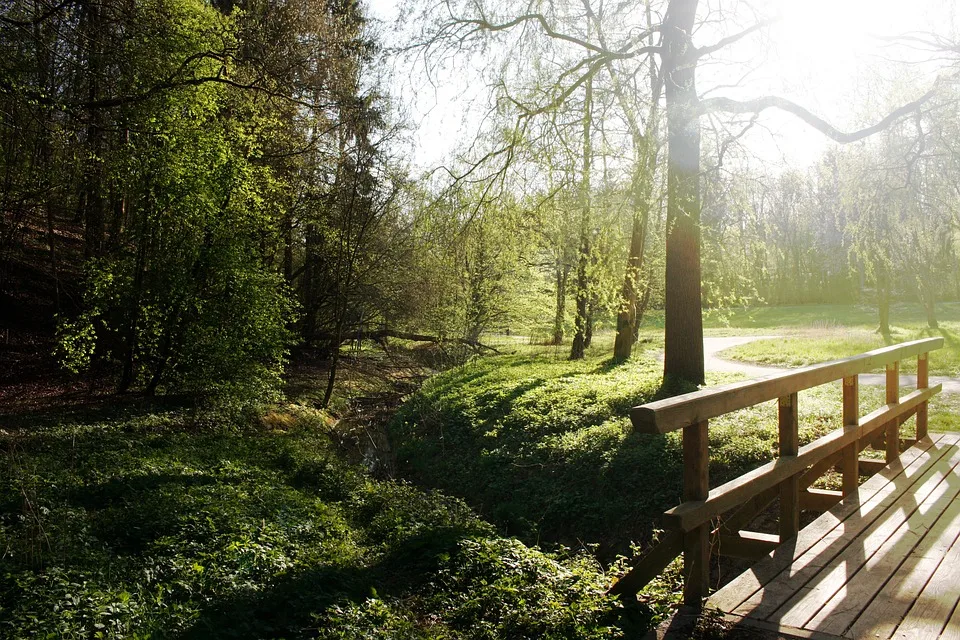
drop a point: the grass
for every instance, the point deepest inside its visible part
(146, 524)
(799, 346)
(826, 316)
(524, 482)
(543, 448)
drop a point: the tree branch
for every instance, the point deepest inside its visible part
(724, 42)
(729, 105)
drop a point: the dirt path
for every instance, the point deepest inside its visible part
(712, 346)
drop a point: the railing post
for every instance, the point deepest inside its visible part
(696, 486)
(923, 382)
(789, 446)
(893, 397)
(851, 417)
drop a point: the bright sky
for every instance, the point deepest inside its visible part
(827, 55)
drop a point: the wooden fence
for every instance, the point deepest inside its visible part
(695, 527)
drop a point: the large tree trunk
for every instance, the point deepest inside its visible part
(580, 322)
(683, 340)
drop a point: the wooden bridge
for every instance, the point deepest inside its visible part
(883, 559)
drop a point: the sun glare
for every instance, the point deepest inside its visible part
(831, 31)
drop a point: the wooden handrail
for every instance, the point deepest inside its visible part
(675, 413)
(691, 514)
(691, 524)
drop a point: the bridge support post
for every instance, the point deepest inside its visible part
(696, 542)
(789, 446)
(923, 382)
(851, 419)
(893, 397)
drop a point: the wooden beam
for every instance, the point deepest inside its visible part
(696, 540)
(819, 499)
(650, 565)
(743, 515)
(893, 382)
(892, 436)
(869, 466)
(674, 413)
(691, 514)
(813, 474)
(750, 545)
(789, 446)
(850, 458)
(923, 381)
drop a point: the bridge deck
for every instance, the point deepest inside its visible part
(882, 564)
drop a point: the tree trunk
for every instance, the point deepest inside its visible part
(588, 334)
(683, 340)
(580, 322)
(883, 304)
(642, 305)
(563, 273)
(627, 321)
(645, 161)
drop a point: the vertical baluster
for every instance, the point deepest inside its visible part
(851, 418)
(893, 397)
(923, 382)
(789, 446)
(696, 486)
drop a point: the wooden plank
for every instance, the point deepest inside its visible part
(650, 565)
(885, 486)
(952, 630)
(749, 545)
(857, 517)
(788, 422)
(860, 589)
(781, 632)
(819, 499)
(674, 413)
(938, 600)
(888, 608)
(691, 514)
(833, 591)
(696, 487)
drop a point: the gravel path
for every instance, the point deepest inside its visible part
(712, 346)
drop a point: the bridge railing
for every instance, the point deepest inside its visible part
(690, 529)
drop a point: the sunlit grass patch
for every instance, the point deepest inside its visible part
(807, 347)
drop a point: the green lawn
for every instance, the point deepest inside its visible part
(826, 316)
(842, 332)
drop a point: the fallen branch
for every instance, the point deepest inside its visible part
(380, 336)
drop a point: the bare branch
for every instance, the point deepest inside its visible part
(725, 42)
(713, 105)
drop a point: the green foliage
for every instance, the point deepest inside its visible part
(138, 525)
(545, 450)
(186, 300)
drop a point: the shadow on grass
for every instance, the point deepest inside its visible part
(95, 409)
(291, 605)
(950, 338)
